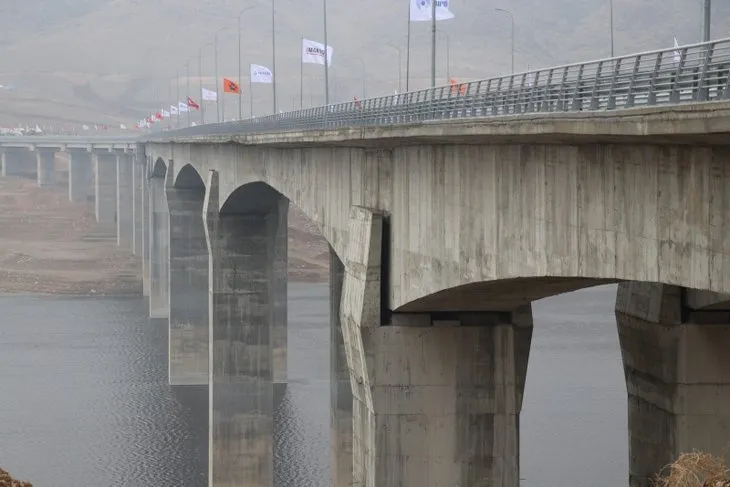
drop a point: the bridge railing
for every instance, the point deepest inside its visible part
(691, 73)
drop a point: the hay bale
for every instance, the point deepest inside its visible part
(695, 469)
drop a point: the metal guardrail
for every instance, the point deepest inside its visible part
(691, 73)
(66, 139)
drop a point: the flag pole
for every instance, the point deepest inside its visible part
(240, 95)
(433, 43)
(187, 78)
(326, 58)
(217, 98)
(273, 54)
(200, 80)
(250, 92)
(408, 48)
(177, 94)
(301, 78)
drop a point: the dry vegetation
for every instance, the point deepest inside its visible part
(695, 469)
(7, 481)
(79, 55)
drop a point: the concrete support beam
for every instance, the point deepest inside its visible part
(79, 176)
(436, 401)
(46, 169)
(138, 180)
(340, 390)
(18, 162)
(146, 230)
(125, 201)
(677, 370)
(159, 250)
(188, 363)
(242, 245)
(105, 185)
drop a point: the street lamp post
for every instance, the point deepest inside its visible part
(512, 21)
(400, 68)
(240, 83)
(326, 58)
(433, 43)
(273, 51)
(707, 19)
(610, 6)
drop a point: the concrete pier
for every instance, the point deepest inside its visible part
(46, 170)
(188, 363)
(280, 328)
(146, 230)
(677, 370)
(105, 185)
(125, 201)
(138, 181)
(79, 176)
(17, 162)
(437, 396)
(159, 286)
(340, 389)
(242, 242)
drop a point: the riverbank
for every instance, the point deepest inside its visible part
(49, 245)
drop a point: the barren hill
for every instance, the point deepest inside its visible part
(108, 60)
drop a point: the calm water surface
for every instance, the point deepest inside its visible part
(84, 400)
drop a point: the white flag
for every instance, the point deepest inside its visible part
(261, 74)
(182, 107)
(209, 95)
(173, 110)
(122, 126)
(677, 55)
(421, 10)
(84, 127)
(313, 52)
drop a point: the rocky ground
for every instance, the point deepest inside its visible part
(49, 245)
(7, 481)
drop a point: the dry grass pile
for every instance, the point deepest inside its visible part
(695, 469)
(7, 481)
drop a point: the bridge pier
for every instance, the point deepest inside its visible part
(340, 389)
(79, 175)
(16, 162)
(138, 181)
(146, 227)
(436, 397)
(159, 249)
(105, 186)
(125, 202)
(46, 169)
(242, 243)
(677, 370)
(188, 341)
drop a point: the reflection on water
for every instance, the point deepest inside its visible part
(84, 400)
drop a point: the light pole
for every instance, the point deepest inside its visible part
(326, 58)
(273, 51)
(217, 96)
(187, 89)
(512, 21)
(240, 102)
(707, 19)
(448, 57)
(433, 43)
(400, 68)
(610, 6)
(200, 81)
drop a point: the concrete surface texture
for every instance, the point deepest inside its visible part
(105, 181)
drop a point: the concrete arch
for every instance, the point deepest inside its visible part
(159, 168)
(188, 177)
(499, 295)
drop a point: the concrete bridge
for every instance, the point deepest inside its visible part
(443, 231)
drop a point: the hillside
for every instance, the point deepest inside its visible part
(109, 60)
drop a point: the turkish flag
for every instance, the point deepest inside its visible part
(192, 104)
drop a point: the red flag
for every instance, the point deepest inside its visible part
(158, 116)
(192, 104)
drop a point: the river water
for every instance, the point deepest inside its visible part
(84, 400)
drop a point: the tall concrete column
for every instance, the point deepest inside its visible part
(340, 389)
(146, 230)
(138, 179)
(46, 167)
(105, 185)
(188, 364)
(16, 162)
(677, 368)
(159, 250)
(242, 244)
(436, 397)
(280, 328)
(79, 176)
(125, 201)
